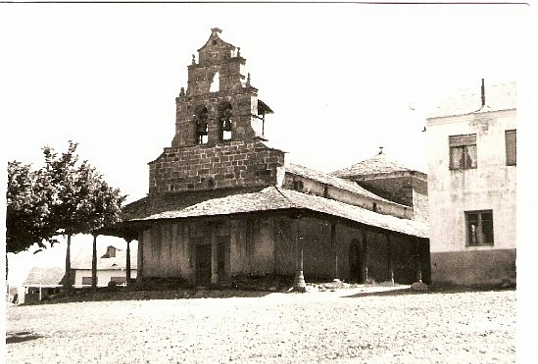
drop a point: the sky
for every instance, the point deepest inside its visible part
(342, 79)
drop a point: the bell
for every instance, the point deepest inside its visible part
(201, 128)
(227, 125)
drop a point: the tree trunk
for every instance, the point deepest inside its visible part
(94, 262)
(68, 284)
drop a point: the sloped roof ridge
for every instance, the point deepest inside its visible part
(269, 198)
(45, 276)
(332, 180)
(378, 164)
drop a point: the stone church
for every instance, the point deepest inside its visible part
(222, 204)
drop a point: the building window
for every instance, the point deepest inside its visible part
(479, 228)
(511, 147)
(462, 151)
(86, 281)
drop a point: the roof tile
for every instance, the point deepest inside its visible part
(46, 276)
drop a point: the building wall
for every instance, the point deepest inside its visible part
(307, 185)
(207, 167)
(491, 186)
(103, 276)
(273, 245)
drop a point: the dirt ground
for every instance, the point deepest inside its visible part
(345, 326)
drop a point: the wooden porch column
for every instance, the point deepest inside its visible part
(140, 257)
(389, 256)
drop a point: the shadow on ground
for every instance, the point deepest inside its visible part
(400, 291)
(18, 337)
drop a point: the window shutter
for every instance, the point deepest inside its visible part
(511, 147)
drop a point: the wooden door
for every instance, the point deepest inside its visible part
(203, 265)
(355, 261)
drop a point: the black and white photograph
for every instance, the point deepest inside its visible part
(268, 182)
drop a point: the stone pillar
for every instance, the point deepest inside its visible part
(418, 260)
(299, 284)
(128, 263)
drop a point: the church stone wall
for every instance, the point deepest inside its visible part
(201, 167)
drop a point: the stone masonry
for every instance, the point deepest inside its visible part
(203, 167)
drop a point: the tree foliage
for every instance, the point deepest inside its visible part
(81, 200)
(28, 213)
(64, 197)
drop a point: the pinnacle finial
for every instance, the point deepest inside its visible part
(215, 30)
(248, 79)
(193, 59)
(380, 150)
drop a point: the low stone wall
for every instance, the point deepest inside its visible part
(474, 268)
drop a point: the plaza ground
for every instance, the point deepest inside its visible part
(351, 325)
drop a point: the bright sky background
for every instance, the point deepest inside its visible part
(341, 78)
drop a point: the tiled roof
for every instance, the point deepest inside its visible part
(273, 198)
(155, 204)
(84, 260)
(379, 164)
(46, 276)
(467, 101)
(331, 180)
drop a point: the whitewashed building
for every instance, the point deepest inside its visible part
(472, 187)
(111, 267)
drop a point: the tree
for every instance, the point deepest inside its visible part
(81, 202)
(62, 198)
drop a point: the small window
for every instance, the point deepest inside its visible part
(298, 185)
(479, 226)
(511, 147)
(462, 151)
(86, 281)
(215, 83)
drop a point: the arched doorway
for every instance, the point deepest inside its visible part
(355, 261)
